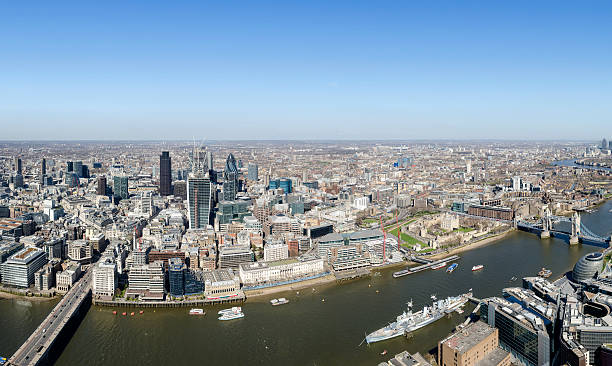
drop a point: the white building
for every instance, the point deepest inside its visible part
(268, 272)
(276, 252)
(147, 280)
(80, 251)
(19, 269)
(66, 278)
(105, 278)
(360, 203)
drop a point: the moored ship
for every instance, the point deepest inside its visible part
(477, 267)
(439, 265)
(232, 314)
(545, 273)
(235, 309)
(410, 321)
(279, 301)
(196, 312)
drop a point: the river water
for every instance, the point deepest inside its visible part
(307, 331)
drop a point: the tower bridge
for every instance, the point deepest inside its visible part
(547, 226)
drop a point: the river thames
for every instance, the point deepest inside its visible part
(307, 331)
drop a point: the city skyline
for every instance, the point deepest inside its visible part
(319, 71)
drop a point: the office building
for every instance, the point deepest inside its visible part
(230, 179)
(253, 172)
(101, 190)
(199, 197)
(18, 167)
(284, 183)
(68, 277)
(165, 174)
(105, 278)
(43, 166)
(221, 284)
(475, 343)
(44, 278)
(252, 274)
(20, 268)
(146, 282)
(232, 210)
(232, 256)
(276, 252)
(180, 189)
(176, 277)
(120, 187)
(80, 251)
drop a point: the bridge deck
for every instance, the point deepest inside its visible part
(36, 346)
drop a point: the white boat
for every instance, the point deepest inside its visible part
(231, 316)
(477, 267)
(439, 265)
(279, 301)
(235, 309)
(196, 312)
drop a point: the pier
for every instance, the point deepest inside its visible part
(423, 267)
(36, 349)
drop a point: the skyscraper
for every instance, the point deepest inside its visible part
(604, 144)
(165, 174)
(18, 167)
(230, 179)
(120, 187)
(253, 172)
(43, 166)
(101, 186)
(199, 191)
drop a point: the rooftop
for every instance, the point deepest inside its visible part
(469, 337)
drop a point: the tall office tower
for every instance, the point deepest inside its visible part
(604, 143)
(43, 166)
(199, 191)
(253, 172)
(18, 167)
(230, 179)
(78, 168)
(199, 198)
(165, 174)
(209, 160)
(610, 145)
(101, 186)
(69, 166)
(120, 187)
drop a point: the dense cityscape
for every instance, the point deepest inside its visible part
(128, 228)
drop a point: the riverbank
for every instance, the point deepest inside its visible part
(11, 295)
(291, 287)
(473, 245)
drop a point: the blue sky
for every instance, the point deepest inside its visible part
(306, 70)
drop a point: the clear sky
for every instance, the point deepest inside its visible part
(306, 70)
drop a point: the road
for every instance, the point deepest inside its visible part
(41, 339)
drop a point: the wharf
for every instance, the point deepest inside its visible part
(423, 267)
(168, 304)
(351, 274)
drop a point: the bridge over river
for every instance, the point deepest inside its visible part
(36, 349)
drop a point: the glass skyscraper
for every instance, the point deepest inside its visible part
(165, 174)
(253, 172)
(230, 179)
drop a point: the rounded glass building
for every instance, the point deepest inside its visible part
(587, 267)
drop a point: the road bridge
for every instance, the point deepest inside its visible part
(35, 350)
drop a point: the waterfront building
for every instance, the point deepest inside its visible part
(521, 332)
(80, 251)
(221, 284)
(406, 359)
(101, 189)
(120, 187)
(44, 278)
(105, 278)
(194, 281)
(276, 251)
(252, 274)
(19, 268)
(146, 281)
(66, 278)
(327, 242)
(165, 174)
(474, 343)
(253, 172)
(587, 267)
(230, 256)
(230, 179)
(176, 277)
(348, 257)
(8, 248)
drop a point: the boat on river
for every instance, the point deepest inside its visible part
(439, 265)
(279, 301)
(477, 267)
(410, 321)
(451, 268)
(545, 273)
(231, 315)
(196, 312)
(235, 309)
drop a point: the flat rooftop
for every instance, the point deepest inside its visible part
(469, 337)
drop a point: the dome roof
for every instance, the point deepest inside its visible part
(587, 267)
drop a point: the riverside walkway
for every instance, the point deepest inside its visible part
(36, 348)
